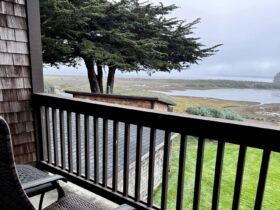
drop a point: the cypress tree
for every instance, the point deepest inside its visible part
(125, 35)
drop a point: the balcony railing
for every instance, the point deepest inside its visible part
(91, 145)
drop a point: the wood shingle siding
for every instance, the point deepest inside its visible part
(20, 60)
(12, 83)
(6, 59)
(15, 71)
(19, 10)
(7, 33)
(3, 46)
(9, 95)
(25, 149)
(15, 79)
(18, 117)
(3, 21)
(7, 8)
(17, 47)
(16, 22)
(21, 35)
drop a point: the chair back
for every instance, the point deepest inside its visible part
(12, 196)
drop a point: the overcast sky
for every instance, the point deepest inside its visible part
(248, 29)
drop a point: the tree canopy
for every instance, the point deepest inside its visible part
(126, 35)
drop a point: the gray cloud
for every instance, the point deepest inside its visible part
(248, 29)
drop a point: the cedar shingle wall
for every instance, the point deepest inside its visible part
(15, 82)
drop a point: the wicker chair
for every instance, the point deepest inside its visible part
(12, 195)
(36, 182)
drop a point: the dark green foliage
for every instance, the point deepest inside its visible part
(216, 113)
(277, 79)
(123, 35)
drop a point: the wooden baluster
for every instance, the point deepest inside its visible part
(105, 152)
(151, 167)
(115, 155)
(70, 144)
(239, 176)
(262, 179)
(78, 145)
(126, 159)
(165, 169)
(198, 173)
(48, 135)
(62, 138)
(138, 162)
(96, 150)
(218, 175)
(87, 148)
(181, 172)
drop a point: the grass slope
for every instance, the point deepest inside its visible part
(250, 178)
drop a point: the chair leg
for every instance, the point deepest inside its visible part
(60, 191)
(41, 201)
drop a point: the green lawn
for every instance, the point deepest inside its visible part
(250, 179)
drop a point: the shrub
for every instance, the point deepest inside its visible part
(231, 115)
(216, 113)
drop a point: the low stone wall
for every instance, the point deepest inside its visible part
(144, 174)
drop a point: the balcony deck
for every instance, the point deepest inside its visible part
(70, 188)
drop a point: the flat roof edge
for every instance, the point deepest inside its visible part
(155, 99)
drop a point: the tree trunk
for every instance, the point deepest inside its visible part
(111, 80)
(100, 76)
(93, 82)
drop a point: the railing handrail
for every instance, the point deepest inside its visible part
(242, 133)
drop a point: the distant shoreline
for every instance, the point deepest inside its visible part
(177, 84)
(180, 84)
(187, 75)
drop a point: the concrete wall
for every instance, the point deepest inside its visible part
(15, 78)
(144, 173)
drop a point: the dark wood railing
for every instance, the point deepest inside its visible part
(72, 131)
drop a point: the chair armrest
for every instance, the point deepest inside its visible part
(42, 181)
(125, 207)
